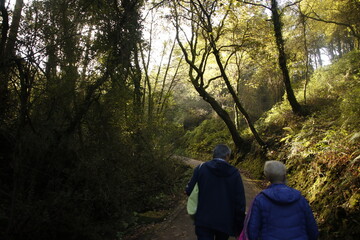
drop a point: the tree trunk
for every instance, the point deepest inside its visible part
(239, 142)
(136, 77)
(7, 50)
(215, 50)
(172, 84)
(197, 62)
(306, 51)
(318, 55)
(233, 94)
(4, 29)
(3, 78)
(161, 94)
(296, 107)
(14, 29)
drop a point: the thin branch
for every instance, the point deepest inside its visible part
(228, 59)
(206, 24)
(236, 46)
(172, 84)
(157, 5)
(255, 4)
(186, 55)
(292, 4)
(220, 28)
(317, 18)
(210, 80)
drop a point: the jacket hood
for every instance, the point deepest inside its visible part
(220, 168)
(280, 193)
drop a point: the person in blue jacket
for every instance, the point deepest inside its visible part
(280, 212)
(221, 200)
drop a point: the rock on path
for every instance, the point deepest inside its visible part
(180, 226)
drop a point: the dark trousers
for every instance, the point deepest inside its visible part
(203, 233)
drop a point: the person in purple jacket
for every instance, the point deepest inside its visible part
(280, 212)
(221, 201)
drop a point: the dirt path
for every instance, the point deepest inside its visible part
(180, 226)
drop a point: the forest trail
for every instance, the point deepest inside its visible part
(180, 226)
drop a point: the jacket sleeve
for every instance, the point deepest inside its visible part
(254, 224)
(240, 206)
(311, 226)
(193, 180)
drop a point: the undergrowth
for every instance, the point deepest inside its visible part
(201, 141)
(321, 150)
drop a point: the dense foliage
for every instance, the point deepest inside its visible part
(93, 104)
(200, 142)
(79, 155)
(321, 151)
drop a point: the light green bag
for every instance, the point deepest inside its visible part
(192, 201)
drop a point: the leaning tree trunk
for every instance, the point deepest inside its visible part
(197, 62)
(234, 95)
(238, 141)
(296, 107)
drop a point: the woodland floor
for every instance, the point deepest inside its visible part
(179, 225)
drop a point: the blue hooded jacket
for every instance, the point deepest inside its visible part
(281, 213)
(221, 201)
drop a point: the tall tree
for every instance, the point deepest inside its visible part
(159, 66)
(258, 79)
(7, 50)
(196, 53)
(214, 34)
(306, 50)
(63, 71)
(296, 107)
(282, 56)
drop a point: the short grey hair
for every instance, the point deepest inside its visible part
(221, 151)
(275, 171)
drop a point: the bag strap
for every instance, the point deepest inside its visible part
(197, 180)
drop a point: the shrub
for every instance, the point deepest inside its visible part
(201, 141)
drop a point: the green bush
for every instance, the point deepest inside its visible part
(67, 187)
(321, 150)
(339, 85)
(349, 106)
(201, 141)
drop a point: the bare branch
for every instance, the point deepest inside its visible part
(183, 49)
(210, 80)
(292, 4)
(228, 59)
(317, 18)
(255, 4)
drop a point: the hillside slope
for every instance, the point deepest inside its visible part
(321, 150)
